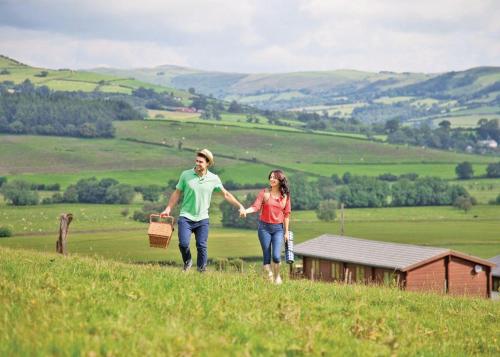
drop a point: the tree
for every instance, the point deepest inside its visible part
(304, 194)
(445, 124)
(151, 193)
(463, 202)
(464, 170)
(326, 210)
(19, 193)
(234, 107)
(391, 125)
(231, 216)
(492, 170)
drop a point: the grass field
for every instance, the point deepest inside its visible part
(69, 80)
(102, 230)
(53, 305)
(284, 148)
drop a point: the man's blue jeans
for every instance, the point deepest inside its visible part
(270, 237)
(200, 229)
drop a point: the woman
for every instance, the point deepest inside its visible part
(274, 206)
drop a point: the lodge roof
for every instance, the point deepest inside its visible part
(389, 255)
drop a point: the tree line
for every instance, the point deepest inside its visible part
(26, 109)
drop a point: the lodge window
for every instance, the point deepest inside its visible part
(388, 277)
(315, 268)
(496, 285)
(360, 274)
(336, 271)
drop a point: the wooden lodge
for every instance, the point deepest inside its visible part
(495, 292)
(411, 267)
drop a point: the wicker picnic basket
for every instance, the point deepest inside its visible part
(160, 231)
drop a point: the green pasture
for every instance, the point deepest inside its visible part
(284, 148)
(69, 80)
(465, 121)
(483, 190)
(443, 170)
(392, 100)
(102, 230)
(54, 305)
(45, 154)
(242, 173)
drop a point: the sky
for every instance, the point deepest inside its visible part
(253, 36)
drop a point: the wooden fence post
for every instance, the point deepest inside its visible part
(66, 219)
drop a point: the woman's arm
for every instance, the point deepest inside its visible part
(255, 207)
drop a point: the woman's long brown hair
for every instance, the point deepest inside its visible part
(280, 176)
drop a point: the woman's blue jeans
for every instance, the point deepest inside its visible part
(270, 237)
(200, 230)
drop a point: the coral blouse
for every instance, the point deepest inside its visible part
(274, 210)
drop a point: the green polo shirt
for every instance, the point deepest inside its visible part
(197, 193)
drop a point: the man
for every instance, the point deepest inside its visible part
(197, 186)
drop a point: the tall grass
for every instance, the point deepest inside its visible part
(51, 305)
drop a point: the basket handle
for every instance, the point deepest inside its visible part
(160, 216)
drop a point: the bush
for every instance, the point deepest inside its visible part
(492, 170)
(3, 180)
(237, 264)
(464, 170)
(124, 212)
(19, 193)
(221, 264)
(151, 192)
(5, 232)
(388, 177)
(463, 202)
(327, 210)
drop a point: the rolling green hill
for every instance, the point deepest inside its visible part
(53, 305)
(462, 97)
(69, 80)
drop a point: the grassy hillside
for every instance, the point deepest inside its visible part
(461, 97)
(147, 152)
(51, 305)
(69, 80)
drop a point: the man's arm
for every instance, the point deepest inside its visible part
(174, 198)
(232, 200)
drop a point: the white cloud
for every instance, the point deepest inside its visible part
(254, 35)
(45, 49)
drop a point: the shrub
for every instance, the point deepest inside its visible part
(492, 170)
(19, 193)
(124, 212)
(327, 210)
(221, 264)
(3, 180)
(464, 170)
(5, 232)
(463, 202)
(237, 264)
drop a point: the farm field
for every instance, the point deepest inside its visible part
(110, 308)
(102, 230)
(69, 80)
(270, 146)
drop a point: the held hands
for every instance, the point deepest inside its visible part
(243, 212)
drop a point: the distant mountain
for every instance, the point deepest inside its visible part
(463, 97)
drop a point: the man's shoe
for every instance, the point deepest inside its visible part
(202, 269)
(187, 265)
